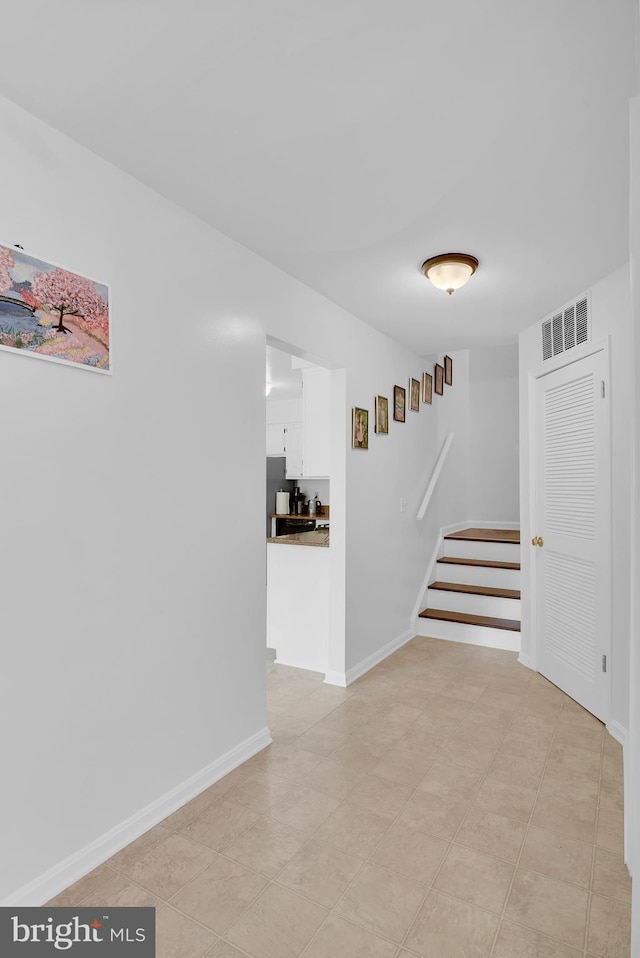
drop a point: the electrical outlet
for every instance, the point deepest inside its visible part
(403, 504)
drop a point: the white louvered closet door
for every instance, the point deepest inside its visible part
(573, 509)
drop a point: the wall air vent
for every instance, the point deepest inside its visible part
(567, 328)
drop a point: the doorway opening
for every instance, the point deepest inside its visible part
(305, 510)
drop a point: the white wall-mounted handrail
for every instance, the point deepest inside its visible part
(435, 475)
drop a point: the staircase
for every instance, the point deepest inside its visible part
(475, 597)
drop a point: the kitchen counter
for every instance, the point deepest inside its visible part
(318, 538)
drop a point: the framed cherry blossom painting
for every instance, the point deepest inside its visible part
(51, 313)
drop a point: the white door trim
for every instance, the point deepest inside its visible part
(534, 375)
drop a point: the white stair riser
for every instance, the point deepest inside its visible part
(466, 549)
(500, 608)
(470, 634)
(478, 575)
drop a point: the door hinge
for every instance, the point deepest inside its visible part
(603, 390)
(604, 663)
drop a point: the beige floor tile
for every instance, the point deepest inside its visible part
(420, 741)
(224, 950)
(260, 790)
(516, 770)
(384, 902)
(610, 830)
(548, 906)
(223, 785)
(287, 761)
(380, 795)
(220, 824)
(179, 937)
(321, 741)
(526, 745)
(278, 925)
(334, 778)
(579, 736)
(581, 761)
(560, 814)
(285, 731)
(304, 808)
(430, 813)
(445, 705)
(491, 833)
(219, 895)
(360, 754)
(86, 886)
(570, 785)
(339, 937)
(480, 734)
(514, 801)
(439, 727)
(120, 893)
(516, 941)
(354, 830)
(405, 768)
(411, 852)
(137, 849)
(168, 866)
(320, 872)
(451, 782)
(611, 796)
(469, 756)
(557, 856)
(609, 928)
(266, 847)
(475, 878)
(610, 875)
(447, 928)
(467, 691)
(497, 698)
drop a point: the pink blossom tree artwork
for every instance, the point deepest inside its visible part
(52, 312)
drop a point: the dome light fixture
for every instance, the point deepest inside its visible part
(450, 270)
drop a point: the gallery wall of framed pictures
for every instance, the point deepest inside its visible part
(416, 393)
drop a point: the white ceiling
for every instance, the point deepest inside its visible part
(348, 140)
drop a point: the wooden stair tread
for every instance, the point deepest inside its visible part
(487, 563)
(486, 535)
(465, 618)
(476, 590)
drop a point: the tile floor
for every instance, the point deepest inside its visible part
(449, 804)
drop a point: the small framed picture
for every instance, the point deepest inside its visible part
(381, 414)
(399, 403)
(439, 375)
(427, 387)
(414, 395)
(448, 370)
(360, 428)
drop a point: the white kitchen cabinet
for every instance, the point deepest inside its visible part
(275, 439)
(316, 418)
(293, 433)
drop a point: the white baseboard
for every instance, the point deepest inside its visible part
(618, 732)
(336, 678)
(76, 866)
(383, 653)
(526, 660)
(489, 524)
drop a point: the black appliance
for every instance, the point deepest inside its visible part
(276, 480)
(288, 526)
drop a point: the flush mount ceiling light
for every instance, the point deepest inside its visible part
(450, 270)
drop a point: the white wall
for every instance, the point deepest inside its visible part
(284, 410)
(131, 658)
(479, 481)
(611, 317)
(632, 752)
(494, 493)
